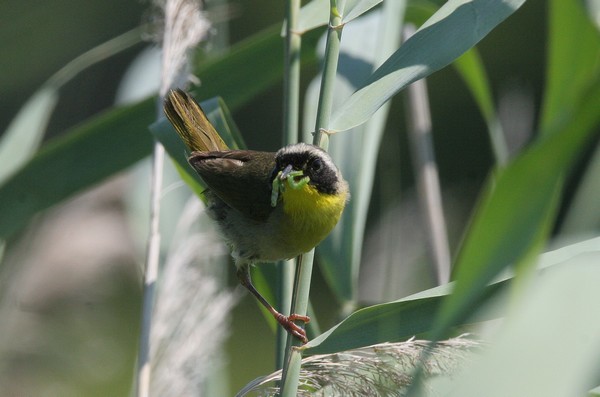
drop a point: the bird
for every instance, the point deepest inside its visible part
(269, 206)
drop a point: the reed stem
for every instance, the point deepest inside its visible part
(291, 368)
(426, 175)
(291, 109)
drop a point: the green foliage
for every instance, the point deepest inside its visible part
(78, 160)
(24, 135)
(450, 32)
(517, 213)
(530, 351)
(74, 162)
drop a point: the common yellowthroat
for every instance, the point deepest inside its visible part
(269, 205)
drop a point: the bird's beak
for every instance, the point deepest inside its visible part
(295, 179)
(279, 182)
(285, 173)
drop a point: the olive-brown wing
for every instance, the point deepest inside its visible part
(241, 178)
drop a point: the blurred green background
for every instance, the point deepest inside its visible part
(38, 38)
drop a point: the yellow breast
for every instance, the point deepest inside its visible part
(311, 215)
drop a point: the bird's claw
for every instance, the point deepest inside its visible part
(290, 326)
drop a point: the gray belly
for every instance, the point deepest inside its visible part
(252, 241)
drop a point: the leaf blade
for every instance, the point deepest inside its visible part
(117, 138)
(402, 319)
(355, 8)
(456, 27)
(520, 208)
(25, 133)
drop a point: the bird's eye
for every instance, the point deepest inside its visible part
(317, 164)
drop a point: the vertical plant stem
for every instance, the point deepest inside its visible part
(291, 93)
(2, 248)
(332, 51)
(184, 27)
(291, 366)
(291, 101)
(285, 286)
(150, 271)
(425, 168)
(389, 37)
(291, 369)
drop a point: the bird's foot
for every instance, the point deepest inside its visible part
(290, 326)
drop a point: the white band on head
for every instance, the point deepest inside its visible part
(302, 147)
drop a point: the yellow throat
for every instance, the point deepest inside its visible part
(310, 214)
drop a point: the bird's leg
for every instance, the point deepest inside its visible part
(287, 322)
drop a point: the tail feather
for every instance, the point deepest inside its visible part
(191, 123)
